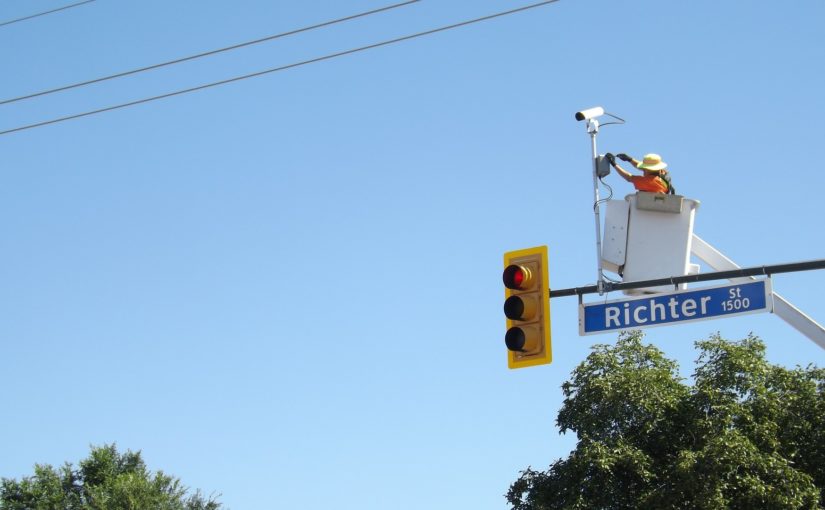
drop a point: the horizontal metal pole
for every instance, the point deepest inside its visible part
(690, 278)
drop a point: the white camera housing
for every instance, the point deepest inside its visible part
(590, 113)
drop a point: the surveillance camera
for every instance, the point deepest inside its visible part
(590, 113)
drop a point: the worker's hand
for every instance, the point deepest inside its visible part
(624, 157)
(610, 158)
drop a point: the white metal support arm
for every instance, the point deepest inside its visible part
(781, 307)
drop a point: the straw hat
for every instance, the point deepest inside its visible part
(652, 162)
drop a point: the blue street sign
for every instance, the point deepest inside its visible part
(677, 307)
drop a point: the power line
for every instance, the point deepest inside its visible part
(4, 23)
(282, 68)
(208, 53)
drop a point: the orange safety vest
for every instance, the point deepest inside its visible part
(651, 183)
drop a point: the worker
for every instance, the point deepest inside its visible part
(655, 178)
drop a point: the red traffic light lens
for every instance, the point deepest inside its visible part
(516, 277)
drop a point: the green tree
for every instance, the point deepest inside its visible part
(745, 435)
(106, 480)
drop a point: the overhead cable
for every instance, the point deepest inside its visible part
(18, 20)
(208, 53)
(281, 68)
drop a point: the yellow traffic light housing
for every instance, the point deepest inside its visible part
(527, 307)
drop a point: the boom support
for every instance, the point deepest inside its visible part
(781, 307)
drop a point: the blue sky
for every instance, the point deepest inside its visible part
(287, 289)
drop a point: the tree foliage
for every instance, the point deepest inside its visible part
(106, 480)
(745, 435)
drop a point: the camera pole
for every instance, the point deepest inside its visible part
(593, 130)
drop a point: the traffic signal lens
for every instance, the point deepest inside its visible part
(523, 339)
(520, 308)
(515, 339)
(516, 277)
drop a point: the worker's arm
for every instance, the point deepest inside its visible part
(624, 173)
(630, 159)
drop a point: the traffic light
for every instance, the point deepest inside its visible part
(527, 307)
